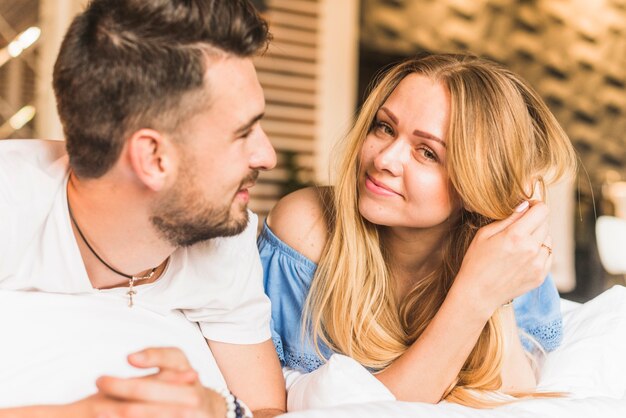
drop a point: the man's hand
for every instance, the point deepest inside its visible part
(174, 391)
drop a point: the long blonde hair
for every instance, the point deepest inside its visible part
(501, 139)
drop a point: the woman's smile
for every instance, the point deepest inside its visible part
(378, 187)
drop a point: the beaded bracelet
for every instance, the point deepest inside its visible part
(235, 408)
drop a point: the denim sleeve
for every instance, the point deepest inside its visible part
(287, 277)
(538, 314)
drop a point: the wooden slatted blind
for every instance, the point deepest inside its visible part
(289, 75)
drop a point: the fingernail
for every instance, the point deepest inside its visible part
(522, 206)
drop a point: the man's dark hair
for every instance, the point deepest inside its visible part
(131, 64)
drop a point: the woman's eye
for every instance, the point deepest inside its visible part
(427, 153)
(384, 128)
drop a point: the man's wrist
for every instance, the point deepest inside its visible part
(235, 408)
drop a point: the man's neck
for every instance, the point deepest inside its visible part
(115, 221)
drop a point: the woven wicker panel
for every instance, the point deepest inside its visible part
(17, 77)
(288, 74)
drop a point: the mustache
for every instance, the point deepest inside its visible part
(250, 178)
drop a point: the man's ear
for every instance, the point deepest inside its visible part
(151, 157)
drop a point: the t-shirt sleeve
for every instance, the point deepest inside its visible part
(538, 314)
(239, 310)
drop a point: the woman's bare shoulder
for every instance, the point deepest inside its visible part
(299, 220)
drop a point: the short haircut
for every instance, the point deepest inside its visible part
(131, 64)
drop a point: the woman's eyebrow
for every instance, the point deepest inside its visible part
(416, 132)
(426, 135)
(393, 117)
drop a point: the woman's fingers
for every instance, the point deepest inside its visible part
(499, 226)
(522, 223)
(533, 219)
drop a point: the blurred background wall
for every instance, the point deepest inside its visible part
(325, 54)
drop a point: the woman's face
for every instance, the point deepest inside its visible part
(403, 181)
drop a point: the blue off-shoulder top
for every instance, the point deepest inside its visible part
(287, 276)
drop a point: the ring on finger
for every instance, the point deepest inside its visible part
(547, 247)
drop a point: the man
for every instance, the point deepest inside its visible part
(161, 110)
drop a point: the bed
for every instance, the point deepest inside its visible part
(55, 346)
(590, 365)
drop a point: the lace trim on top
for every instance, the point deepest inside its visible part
(303, 361)
(549, 335)
(278, 345)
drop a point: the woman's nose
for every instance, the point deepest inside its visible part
(392, 157)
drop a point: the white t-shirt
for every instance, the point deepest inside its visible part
(217, 283)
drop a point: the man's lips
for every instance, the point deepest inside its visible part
(244, 192)
(249, 181)
(378, 187)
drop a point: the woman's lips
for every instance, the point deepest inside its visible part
(378, 187)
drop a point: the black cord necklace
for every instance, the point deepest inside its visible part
(131, 279)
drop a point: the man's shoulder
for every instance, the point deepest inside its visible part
(35, 150)
(31, 174)
(30, 167)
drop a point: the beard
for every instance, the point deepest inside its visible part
(184, 216)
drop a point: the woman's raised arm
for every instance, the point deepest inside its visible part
(505, 260)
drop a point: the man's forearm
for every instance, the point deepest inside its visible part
(40, 411)
(265, 413)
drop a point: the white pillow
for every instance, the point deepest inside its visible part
(55, 346)
(338, 382)
(591, 362)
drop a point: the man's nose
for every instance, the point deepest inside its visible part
(264, 156)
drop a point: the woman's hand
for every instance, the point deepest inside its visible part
(506, 258)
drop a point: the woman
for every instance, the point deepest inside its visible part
(409, 262)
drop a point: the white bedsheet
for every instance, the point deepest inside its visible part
(53, 348)
(590, 365)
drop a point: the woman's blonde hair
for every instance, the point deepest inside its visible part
(502, 139)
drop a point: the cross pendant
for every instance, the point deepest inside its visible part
(131, 291)
(130, 294)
